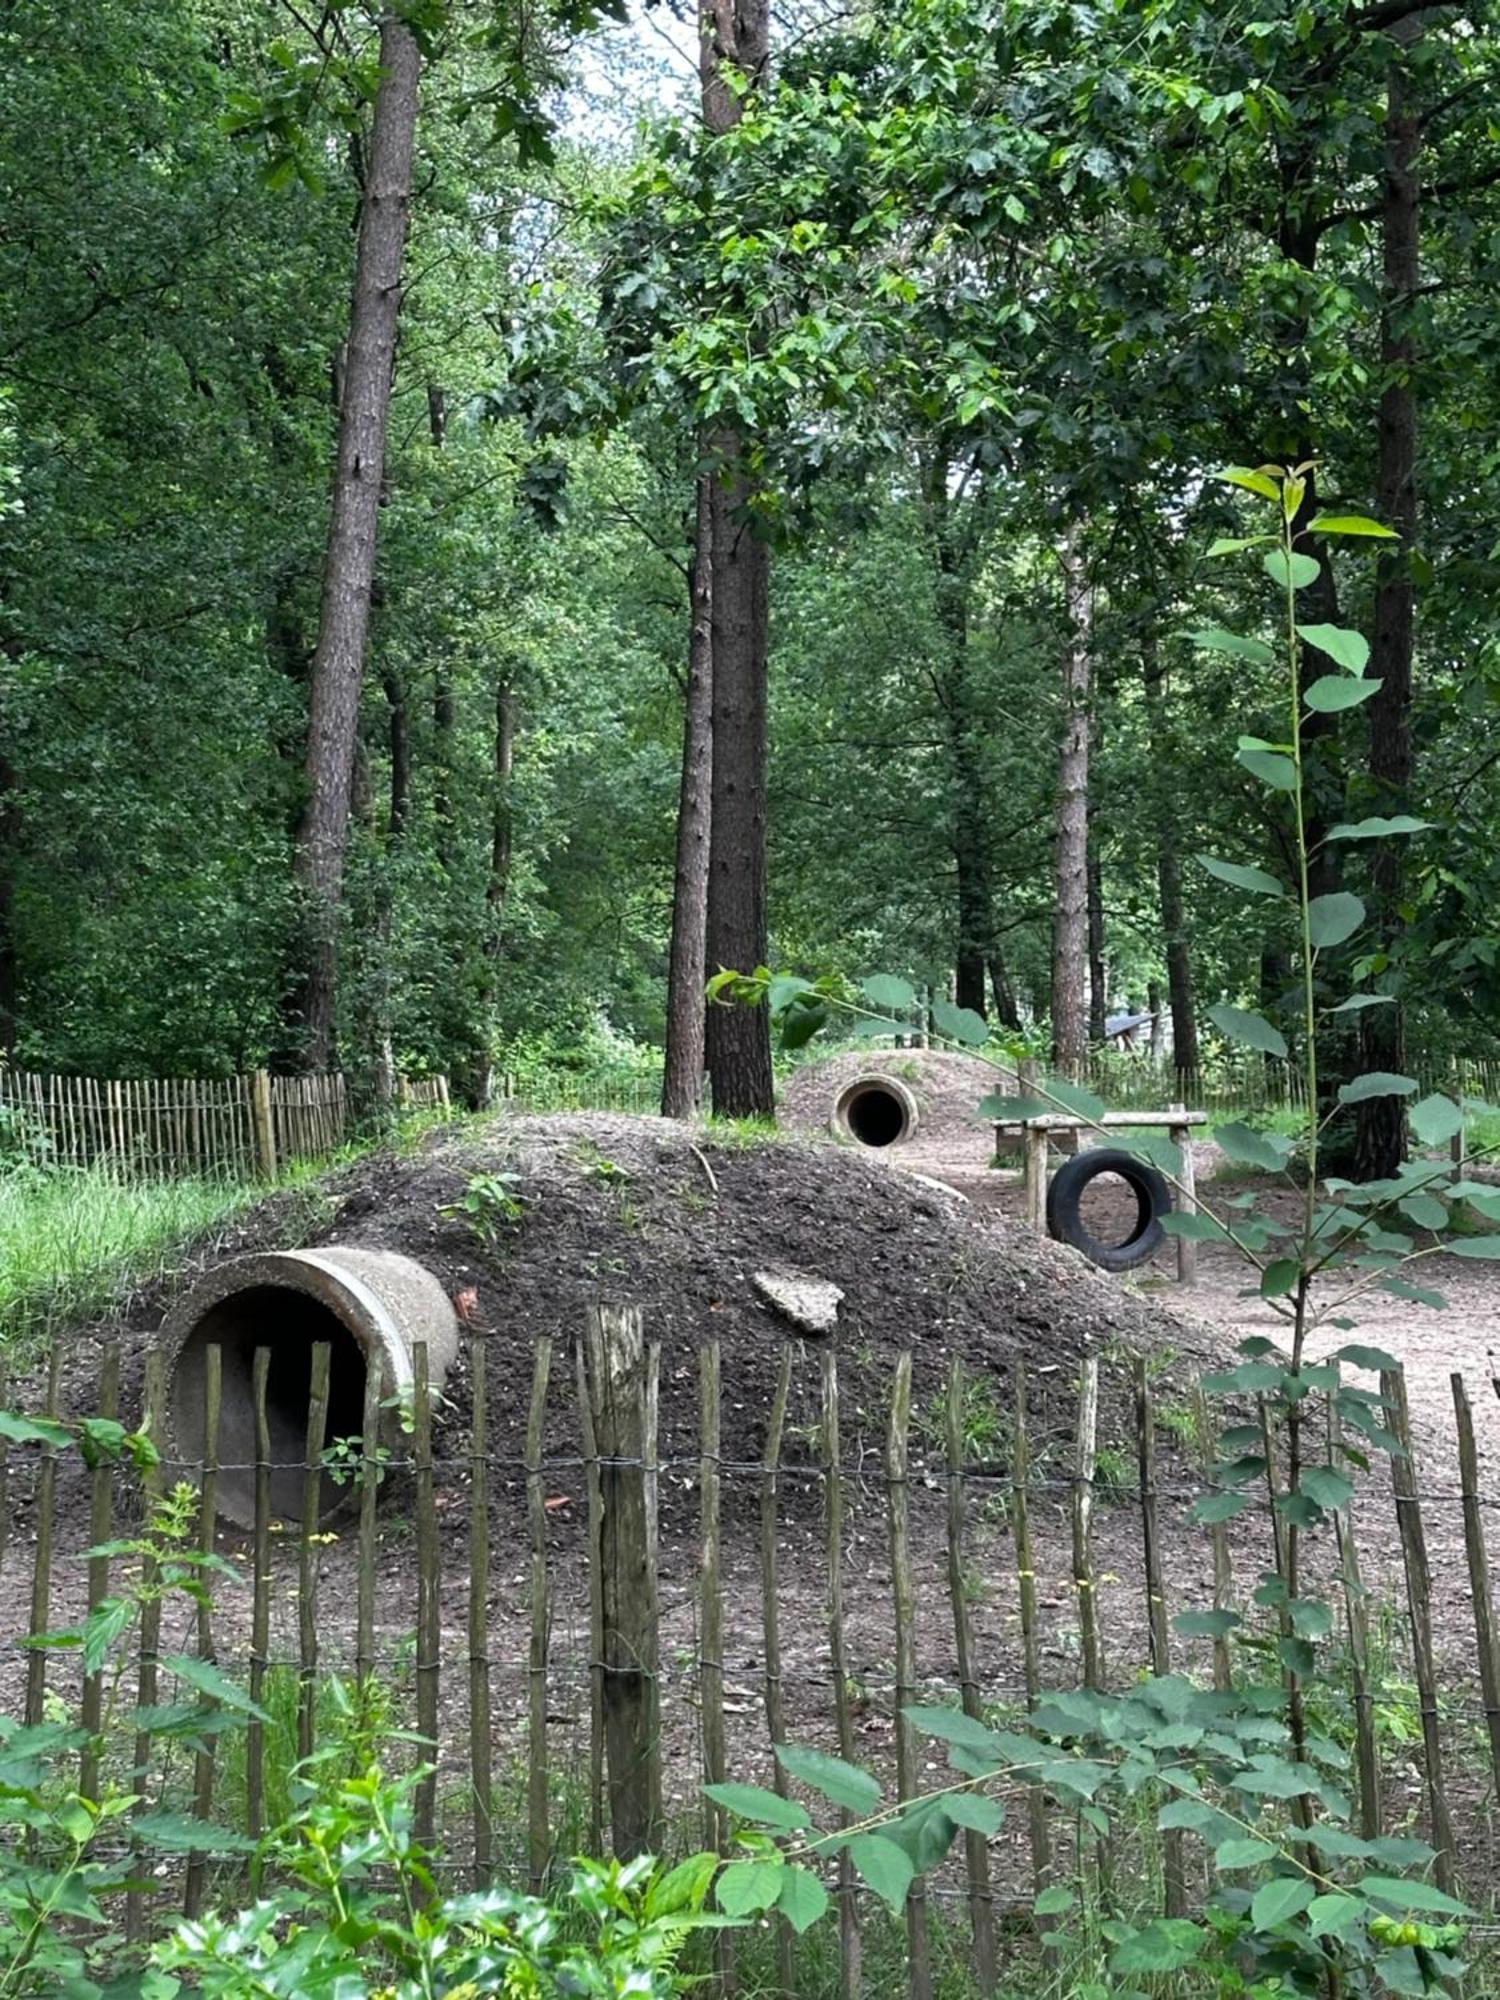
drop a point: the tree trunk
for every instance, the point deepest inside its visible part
(1098, 975)
(481, 1084)
(1153, 1007)
(735, 35)
(349, 569)
(1070, 866)
(682, 1069)
(1002, 993)
(1169, 869)
(1380, 1145)
(398, 725)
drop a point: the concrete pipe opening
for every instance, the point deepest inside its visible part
(875, 1111)
(372, 1307)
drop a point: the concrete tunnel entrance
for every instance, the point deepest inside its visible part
(371, 1306)
(875, 1110)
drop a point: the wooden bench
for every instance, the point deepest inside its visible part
(1037, 1132)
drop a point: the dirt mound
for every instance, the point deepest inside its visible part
(572, 1208)
(948, 1090)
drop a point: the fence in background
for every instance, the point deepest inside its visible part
(232, 1128)
(575, 1588)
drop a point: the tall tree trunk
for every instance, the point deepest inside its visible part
(481, 1082)
(398, 739)
(735, 36)
(1098, 973)
(1169, 869)
(1381, 1133)
(349, 568)
(1003, 994)
(1070, 865)
(682, 1069)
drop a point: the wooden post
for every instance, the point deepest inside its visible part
(481, 1772)
(153, 1482)
(4, 1466)
(1173, 1875)
(904, 1610)
(1218, 1541)
(615, 1359)
(41, 1575)
(838, 1663)
(1419, 1603)
(1034, 1156)
(429, 1595)
(976, 1847)
(260, 1601)
(595, 1566)
(536, 1512)
(371, 1435)
(1090, 1635)
(711, 1593)
(101, 1489)
(208, 1522)
(1187, 1248)
(1020, 1515)
(771, 1616)
(1357, 1620)
(307, 1548)
(264, 1122)
(1479, 1571)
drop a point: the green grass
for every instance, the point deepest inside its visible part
(70, 1242)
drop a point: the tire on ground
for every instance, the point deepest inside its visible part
(1064, 1212)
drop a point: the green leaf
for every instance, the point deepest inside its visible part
(1299, 569)
(1256, 880)
(951, 1725)
(1274, 1778)
(802, 1899)
(177, 1833)
(1249, 1148)
(745, 1888)
(883, 1866)
(1211, 1508)
(1377, 1083)
(1206, 1624)
(1435, 1120)
(683, 1887)
(1311, 1618)
(1214, 639)
(889, 995)
(763, 1808)
(206, 1678)
(1296, 1655)
(1374, 1358)
(1280, 1277)
(1328, 1916)
(1250, 480)
(1166, 1944)
(1350, 649)
(1350, 524)
(1473, 1246)
(840, 1783)
(1378, 829)
(1270, 766)
(1054, 1902)
(1331, 919)
(960, 1024)
(1356, 1001)
(975, 1813)
(33, 1430)
(1280, 1899)
(1333, 694)
(1402, 1893)
(1074, 1098)
(1252, 1031)
(1243, 1853)
(1231, 545)
(1328, 1488)
(1080, 1775)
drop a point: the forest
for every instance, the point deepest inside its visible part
(507, 513)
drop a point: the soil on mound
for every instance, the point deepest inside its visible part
(948, 1089)
(643, 1211)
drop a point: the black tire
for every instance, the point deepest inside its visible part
(1152, 1196)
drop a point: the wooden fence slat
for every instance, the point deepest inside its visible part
(260, 1600)
(101, 1516)
(208, 1522)
(538, 1803)
(481, 1721)
(1419, 1610)
(594, 1545)
(4, 1464)
(1479, 1571)
(1357, 1625)
(429, 1595)
(371, 1446)
(838, 1662)
(1173, 1867)
(1223, 1570)
(770, 1601)
(904, 1615)
(307, 1547)
(976, 1847)
(1031, 1673)
(153, 1485)
(41, 1575)
(716, 1828)
(1091, 1636)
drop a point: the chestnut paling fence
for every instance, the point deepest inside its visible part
(561, 1604)
(237, 1127)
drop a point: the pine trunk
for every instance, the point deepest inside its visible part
(1098, 972)
(1380, 1145)
(682, 1070)
(1070, 867)
(1169, 870)
(349, 568)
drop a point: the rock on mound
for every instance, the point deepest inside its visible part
(948, 1090)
